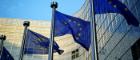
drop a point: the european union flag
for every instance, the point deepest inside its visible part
(39, 44)
(6, 55)
(80, 29)
(115, 6)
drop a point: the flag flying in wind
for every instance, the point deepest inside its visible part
(6, 55)
(80, 29)
(39, 44)
(115, 6)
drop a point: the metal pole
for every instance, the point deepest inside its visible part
(2, 38)
(94, 45)
(53, 6)
(26, 24)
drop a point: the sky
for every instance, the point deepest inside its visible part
(36, 9)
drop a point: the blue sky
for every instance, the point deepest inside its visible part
(36, 9)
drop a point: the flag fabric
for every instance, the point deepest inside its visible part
(115, 6)
(78, 28)
(38, 44)
(6, 55)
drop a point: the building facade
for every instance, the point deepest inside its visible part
(116, 39)
(13, 29)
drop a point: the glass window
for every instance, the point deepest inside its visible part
(75, 54)
(136, 50)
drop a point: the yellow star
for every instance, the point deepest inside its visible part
(125, 9)
(110, 2)
(39, 39)
(114, 6)
(69, 20)
(74, 21)
(78, 24)
(42, 48)
(79, 34)
(77, 38)
(35, 41)
(65, 23)
(38, 46)
(80, 29)
(7, 55)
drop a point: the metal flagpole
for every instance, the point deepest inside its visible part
(53, 6)
(94, 45)
(2, 38)
(26, 24)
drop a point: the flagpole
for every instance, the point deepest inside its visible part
(26, 24)
(2, 38)
(53, 6)
(94, 43)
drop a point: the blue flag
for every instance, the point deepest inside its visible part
(6, 55)
(80, 29)
(115, 6)
(39, 44)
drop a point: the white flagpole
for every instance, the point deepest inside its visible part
(2, 38)
(53, 6)
(26, 24)
(94, 45)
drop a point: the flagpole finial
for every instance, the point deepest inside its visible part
(26, 23)
(54, 5)
(3, 37)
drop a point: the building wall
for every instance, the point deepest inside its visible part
(13, 29)
(115, 37)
